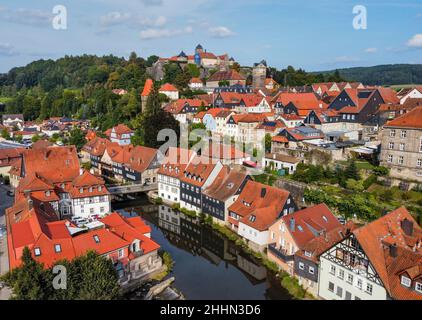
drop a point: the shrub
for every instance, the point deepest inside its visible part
(381, 171)
(370, 181)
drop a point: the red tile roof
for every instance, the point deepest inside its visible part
(198, 171)
(309, 223)
(376, 239)
(148, 86)
(226, 76)
(226, 184)
(262, 201)
(411, 120)
(168, 87)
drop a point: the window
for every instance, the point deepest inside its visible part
(311, 270)
(308, 254)
(58, 248)
(121, 253)
(418, 287)
(369, 288)
(390, 158)
(331, 286)
(341, 274)
(301, 266)
(359, 284)
(37, 252)
(357, 298)
(391, 145)
(332, 269)
(339, 292)
(403, 133)
(401, 160)
(420, 146)
(406, 281)
(419, 163)
(348, 296)
(402, 145)
(392, 133)
(96, 239)
(350, 278)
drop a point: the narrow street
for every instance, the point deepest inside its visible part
(5, 202)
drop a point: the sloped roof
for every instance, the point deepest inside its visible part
(411, 119)
(226, 76)
(309, 223)
(149, 84)
(226, 184)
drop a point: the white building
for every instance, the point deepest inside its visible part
(170, 91)
(276, 161)
(379, 261)
(121, 134)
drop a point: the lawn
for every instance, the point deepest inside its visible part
(361, 165)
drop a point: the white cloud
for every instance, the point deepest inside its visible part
(7, 50)
(125, 18)
(114, 18)
(415, 41)
(154, 33)
(346, 59)
(371, 50)
(30, 17)
(221, 32)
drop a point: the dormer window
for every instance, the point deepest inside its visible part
(81, 190)
(62, 185)
(96, 239)
(300, 228)
(100, 188)
(48, 193)
(252, 218)
(57, 248)
(418, 287)
(308, 254)
(90, 189)
(37, 251)
(406, 281)
(325, 218)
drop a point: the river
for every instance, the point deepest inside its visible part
(207, 266)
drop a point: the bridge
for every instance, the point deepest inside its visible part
(131, 188)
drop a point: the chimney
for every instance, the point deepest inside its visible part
(393, 250)
(292, 224)
(407, 227)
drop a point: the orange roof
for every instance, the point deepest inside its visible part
(388, 95)
(262, 201)
(149, 84)
(377, 237)
(280, 139)
(226, 75)
(195, 80)
(411, 119)
(168, 87)
(318, 218)
(56, 164)
(198, 171)
(177, 106)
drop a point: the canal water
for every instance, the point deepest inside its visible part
(207, 266)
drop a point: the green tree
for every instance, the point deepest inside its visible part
(19, 138)
(352, 171)
(29, 281)
(268, 140)
(5, 134)
(35, 138)
(77, 138)
(153, 120)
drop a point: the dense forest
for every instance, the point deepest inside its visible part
(392, 74)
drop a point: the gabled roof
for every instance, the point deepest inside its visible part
(226, 184)
(198, 171)
(399, 229)
(309, 223)
(226, 76)
(263, 202)
(168, 87)
(411, 120)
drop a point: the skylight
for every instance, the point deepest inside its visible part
(96, 239)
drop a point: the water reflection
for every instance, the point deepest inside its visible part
(207, 266)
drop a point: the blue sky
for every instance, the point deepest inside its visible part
(315, 35)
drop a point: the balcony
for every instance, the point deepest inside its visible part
(281, 254)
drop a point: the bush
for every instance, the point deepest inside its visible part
(370, 181)
(158, 201)
(381, 171)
